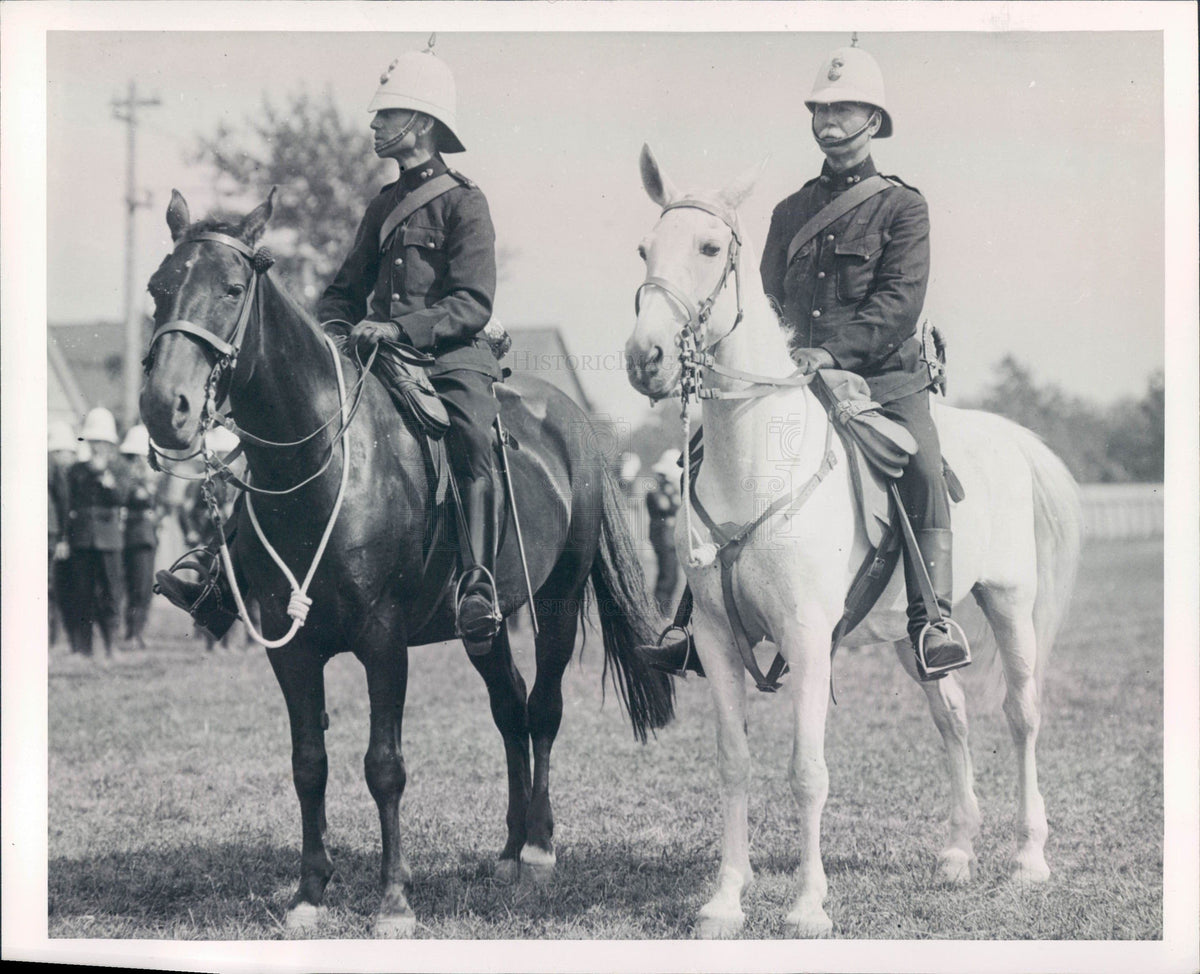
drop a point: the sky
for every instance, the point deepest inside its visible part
(1040, 155)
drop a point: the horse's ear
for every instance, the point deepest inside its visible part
(256, 220)
(658, 187)
(736, 192)
(178, 217)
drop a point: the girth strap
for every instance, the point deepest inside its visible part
(731, 542)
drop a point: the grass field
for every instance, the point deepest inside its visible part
(172, 814)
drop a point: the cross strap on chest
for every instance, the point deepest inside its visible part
(731, 541)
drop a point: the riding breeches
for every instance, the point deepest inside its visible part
(472, 409)
(923, 485)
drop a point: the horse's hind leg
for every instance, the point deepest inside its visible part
(947, 704)
(299, 669)
(1011, 618)
(506, 692)
(386, 665)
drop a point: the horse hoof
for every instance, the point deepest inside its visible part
(955, 867)
(304, 918)
(507, 871)
(720, 927)
(394, 926)
(537, 866)
(809, 926)
(1030, 870)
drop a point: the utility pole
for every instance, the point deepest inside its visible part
(127, 112)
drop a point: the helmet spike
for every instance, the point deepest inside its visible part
(854, 38)
(430, 43)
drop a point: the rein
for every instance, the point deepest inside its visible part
(729, 540)
(227, 352)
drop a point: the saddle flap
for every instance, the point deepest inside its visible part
(412, 392)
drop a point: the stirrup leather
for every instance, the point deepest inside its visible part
(932, 673)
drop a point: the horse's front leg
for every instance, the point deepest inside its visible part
(722, 915)
(385, 659)
(299, 669)
(805, 645)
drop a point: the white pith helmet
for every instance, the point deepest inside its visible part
(851, 74)
(99, 425)
(59, 436)
(668, 463)
(136, 442)
(420, 81)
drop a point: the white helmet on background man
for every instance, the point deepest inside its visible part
(59, 436)
(99, 425)
(420, 81)
(136, 442)
(851, 74)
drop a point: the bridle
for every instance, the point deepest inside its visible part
(694, 360)
(226, 352)
(698, 315)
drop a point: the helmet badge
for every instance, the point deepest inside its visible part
(835, 69)
(383, 78)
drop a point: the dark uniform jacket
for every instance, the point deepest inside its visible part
(58, 493)
(435, 278)
(858, 287)
(141, 524)
(97, 513)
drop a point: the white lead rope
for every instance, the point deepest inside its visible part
(299, 603)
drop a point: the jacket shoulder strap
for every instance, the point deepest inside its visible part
(425, 193)
(835, 209)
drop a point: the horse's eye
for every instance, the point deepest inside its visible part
(710, 249)
(233, 290)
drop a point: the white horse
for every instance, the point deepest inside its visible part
(1016, 543)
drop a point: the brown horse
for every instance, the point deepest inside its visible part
(225, 331)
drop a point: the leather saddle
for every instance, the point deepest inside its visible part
(877, 451)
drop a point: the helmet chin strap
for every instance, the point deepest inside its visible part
(408, 127)
(826, 142)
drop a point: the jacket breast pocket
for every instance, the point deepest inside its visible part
(857, 260)
(424, 258)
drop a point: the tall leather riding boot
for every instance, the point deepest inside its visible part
(943, 652)
(478, 615)
(209, 601)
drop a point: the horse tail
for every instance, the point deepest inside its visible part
(1058, 533)
(627, 617)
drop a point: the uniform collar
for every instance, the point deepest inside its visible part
(410, 179)
(838, 181)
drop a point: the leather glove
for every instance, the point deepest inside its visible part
(367, 334)
(811, 359)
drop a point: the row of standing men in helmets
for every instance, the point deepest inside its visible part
(106, 507)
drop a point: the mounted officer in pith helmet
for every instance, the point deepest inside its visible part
(422, 273)
(851, 296)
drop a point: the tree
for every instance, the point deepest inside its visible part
(1124, 442)
(1138, 429)
(325, 170)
